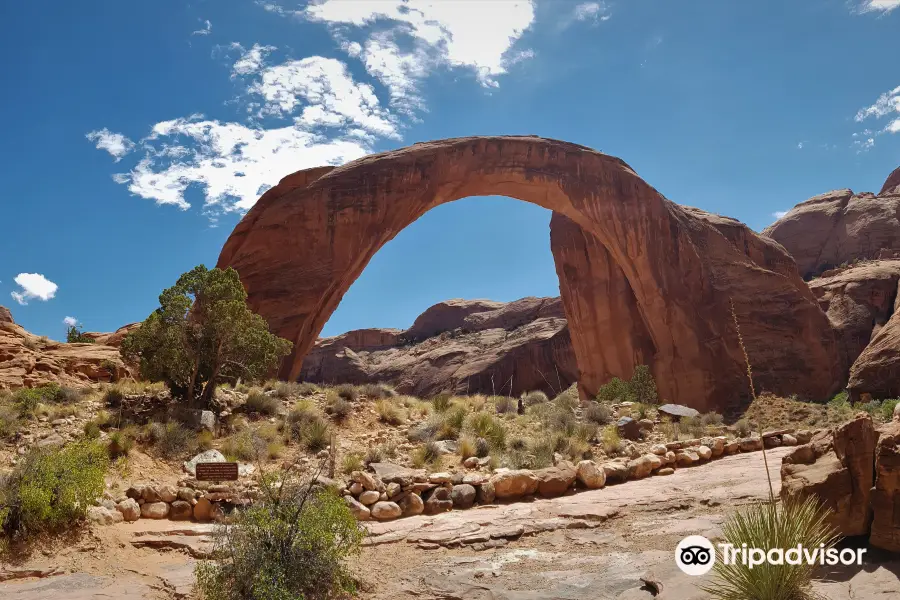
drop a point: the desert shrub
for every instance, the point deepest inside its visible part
(598, 413)
(887, 408)
(286, 389)
(352, 461)
(466, 447)
(113, 396)
(669, 429)
(692, 426)
(306, 389)
(452, 422)
(840, 400)
(766, 526)
(441, 402)
(427, 454)
(609, 440)
(292, 543)
(375, 454)
(482, 447)
(274, 449)
(348, 392)
(261, 403)
(505, 404)
(172, 440)
(205, 440)
(26, 401)
(585, 432)
(390, 412)
(303, 411)
(9, 421)
(561, 419)
(315, 435)
(489, 427)
(517, 444)
(742, 427)
(52, 488)
(614, 391)
(541, 451)
(571, 391)
(577, 448)
(91, 430)
(245, 445)
(711, 418)
(110, 367)
(339, 408)
(535, 397)
(61, 411)
(377, 391)
(120, 444)
(428, 430)
(643, 386)
(872, 407)
(74, 335)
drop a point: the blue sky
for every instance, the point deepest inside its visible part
(137, 133)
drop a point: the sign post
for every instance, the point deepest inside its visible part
(217, 471)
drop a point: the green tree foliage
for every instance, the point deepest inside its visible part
(615, 391)
(201, 334)
(290, 544)
(643, 386)
(74, 335)
(52, 488)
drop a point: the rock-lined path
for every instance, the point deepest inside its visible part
(595, 544)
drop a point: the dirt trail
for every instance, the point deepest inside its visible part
(597, 544)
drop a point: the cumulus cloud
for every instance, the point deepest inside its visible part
(251, 61)
(594, 12)
(115, 143)
(884, 6)
(33, 285)
(70, 321)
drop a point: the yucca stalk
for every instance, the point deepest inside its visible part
(766, 526)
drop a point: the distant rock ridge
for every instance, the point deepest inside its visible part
(458, 346)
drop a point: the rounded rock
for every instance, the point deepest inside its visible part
(181, 511)
(386, 511)
(590, 475)
(486, 494)
(463, 496)
(411, 505)
(155, 510)
(131, 510)
(369, 497)
(357, 509)
(203, 510)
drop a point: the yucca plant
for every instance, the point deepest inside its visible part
(766, 526)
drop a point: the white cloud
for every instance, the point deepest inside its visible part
(800, 146)
(33, 285)
(115, 143)
(252, 60)
(207, 29)
(887, 104)
(880, 5)
(864, 145)
(591, 11)
(434, 33)
(779, 213)
(70, 321)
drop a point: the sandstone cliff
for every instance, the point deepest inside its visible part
(475, 346)
(27, 360)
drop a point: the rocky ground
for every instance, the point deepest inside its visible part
(617, 542)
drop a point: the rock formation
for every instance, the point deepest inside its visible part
(459, 346)
(840, 226)
(886, 495)
(676, 271)
(27, 360)
(115, 338)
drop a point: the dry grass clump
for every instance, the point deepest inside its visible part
(377, 391)
(390, 411)
(505, 404)
(535, 397)
(428, 454)
(600, 414)
(610, 441)
(261, 403)
(348, 392)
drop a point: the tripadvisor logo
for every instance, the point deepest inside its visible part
(696, 555)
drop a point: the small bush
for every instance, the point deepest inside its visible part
(348, 392)
(517, 444)
(261, 403)
(743, 428)
(375, 454)
(692, 426)
(286, 389)
(303, 412)
(52, 488)
(9, 421)
(377, 391)
(307, 389)
(466, 447)
(505, 404)
(766, 526)
(482, 447)
(172, 440)
(441, 402)
(205, 440)
(91, 430)
(577, 448)
(315, 435)
(598, 413)
(615, 391)
(26, 401)
(711, 419)
(74, 335)
(427, 454)
(452, 422)
(274, 449)
(292, 543)
(113, 396)
(586, 432)
(840, 400)
(535, 397)
(887, 408)
(245, 445)
(352, 462)
(119, 444)
(610, 440)
(390, 412)
(542, 451)
(643, 386)
(489, 427)
(428, 430)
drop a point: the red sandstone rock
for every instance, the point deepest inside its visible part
(474, 346)
(115, 338)
(886, 495)
(840, 226)
(27, 360)
(877, 370)
(303, 244)
(858, 301)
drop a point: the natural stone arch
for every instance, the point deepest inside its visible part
(660, 275)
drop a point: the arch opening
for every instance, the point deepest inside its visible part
(643, 280)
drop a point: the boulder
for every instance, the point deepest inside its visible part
(392, 489)
(369, 497)
(131, 510)
(463, 496)
(439, 478)
(392, 473)
(642, 467)
(666, 471)
(154, 510)
(367, 481)
(357, 509)
(103, 516)
(886, 495)
(386, 511)
(615, 471)
(167, 493)
(555, 481)
(628, 428)
(590, 475)
(751, 444)
(659, 450)
(704, 453)
(181, 511)
(788, 440)
(203, 510)
(514, 484)
(411, 505)
(677, 411)
(485, 493)
(438, 501)
(840, 476)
